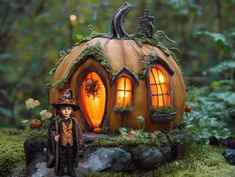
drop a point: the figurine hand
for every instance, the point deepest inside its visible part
(56, 138)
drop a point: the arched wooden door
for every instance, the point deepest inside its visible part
(92, 98)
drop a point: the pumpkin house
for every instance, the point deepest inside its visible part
(116, 78)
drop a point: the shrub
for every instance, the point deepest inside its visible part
(212, 113)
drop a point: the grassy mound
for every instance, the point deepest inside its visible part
(11, 150)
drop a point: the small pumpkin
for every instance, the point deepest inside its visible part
(97, 130)
(187, 108)
(35, 124)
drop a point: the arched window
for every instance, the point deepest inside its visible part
(92, 98)
(159, 86)
(124, 92)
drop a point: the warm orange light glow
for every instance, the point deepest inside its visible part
(124, 92)
(73, 20)
(159, 85)
(93, 107)
(73, 17)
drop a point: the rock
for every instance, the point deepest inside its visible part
(213, 141)
(41, 170)
(229, 155)
(91, 137)
(114, 159)
(82, 169)
(166, 154)
(34, 154)
(229, 142)
(178, 150)
(130, 159)
(146, 157)
(32, 148)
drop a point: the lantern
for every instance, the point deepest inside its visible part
(117, 73)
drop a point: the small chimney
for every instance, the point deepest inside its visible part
(146, 24)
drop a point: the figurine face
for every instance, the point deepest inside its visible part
(66, 111)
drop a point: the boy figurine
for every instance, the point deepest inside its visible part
(68, 139)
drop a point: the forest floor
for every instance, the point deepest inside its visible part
(199, 161)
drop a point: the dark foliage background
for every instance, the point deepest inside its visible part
(33, 33)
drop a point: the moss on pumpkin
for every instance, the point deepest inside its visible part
(63, 53)
(60, 83)
(142, 39)
(94, 51)
(97, 52)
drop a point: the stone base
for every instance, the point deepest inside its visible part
(114, 159)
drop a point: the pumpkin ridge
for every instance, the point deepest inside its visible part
(123, 53)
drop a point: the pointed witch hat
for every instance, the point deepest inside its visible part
(66, 100)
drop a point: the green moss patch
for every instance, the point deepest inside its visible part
(95, 51)
(129, 137)
(11, 146)
(60, 83)
(199, 161)
(40, 133)
(82, 39)
(11, 150)
(142, 39)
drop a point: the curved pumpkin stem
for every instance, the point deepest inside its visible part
(117, 30)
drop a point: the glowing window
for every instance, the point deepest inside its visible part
(93, 99)
(159, 86)
(124, 92)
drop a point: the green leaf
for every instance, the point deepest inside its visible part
(122, 131)
(217, 37)
(79, 37)
(193, 98)
(140, 119)
(222, 67)
(217, 84)
(5, 112)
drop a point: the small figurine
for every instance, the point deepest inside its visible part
(65, 136)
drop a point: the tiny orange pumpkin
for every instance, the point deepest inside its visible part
(35, 123)
(97, 130)
(187, 108)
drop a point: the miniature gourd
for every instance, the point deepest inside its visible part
(187, 108)
(35, 124)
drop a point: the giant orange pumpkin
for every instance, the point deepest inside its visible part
(113, 73)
